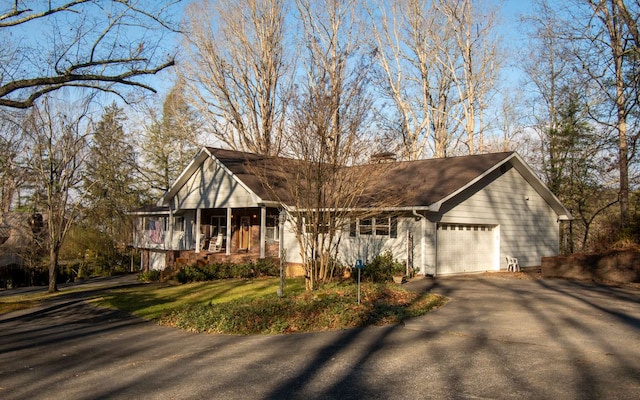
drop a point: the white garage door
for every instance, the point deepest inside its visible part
(465, 248)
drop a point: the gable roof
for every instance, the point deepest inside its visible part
(422, 184)
(428, 182)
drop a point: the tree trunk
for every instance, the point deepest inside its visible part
(53, 270)
(623, 160)
(623, 165)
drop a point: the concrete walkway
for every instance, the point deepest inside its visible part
(496, 338)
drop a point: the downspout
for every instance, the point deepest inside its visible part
(422, 234)
(263, 228)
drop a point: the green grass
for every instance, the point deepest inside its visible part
(29, 300)
(332, 308)
(151, 301)
(14, 304)
(242, 306)
(252, 307)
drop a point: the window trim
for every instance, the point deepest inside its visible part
(220, 224)
(272, 224)
(386, 223)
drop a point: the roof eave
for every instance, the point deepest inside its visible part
(184, 176)
(521, 166)
(436, 206)
(563, 213)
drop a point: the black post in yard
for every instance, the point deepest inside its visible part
(358, 285)
(359, 266)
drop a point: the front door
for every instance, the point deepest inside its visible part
(245, 232)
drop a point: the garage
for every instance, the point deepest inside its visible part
(463, 248)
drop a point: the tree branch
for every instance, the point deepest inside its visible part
(52, 83)
(31, 17)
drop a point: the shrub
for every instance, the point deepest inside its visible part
(266, 267)
(191, 273)
(382, 268)
(332, 308)
(211, 272)
(149, 276)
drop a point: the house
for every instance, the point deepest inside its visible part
(20, 233)
(450, 215)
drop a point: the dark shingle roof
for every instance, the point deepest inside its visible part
(425, 182)
(400, 184)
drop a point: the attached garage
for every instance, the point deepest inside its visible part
(463, 248)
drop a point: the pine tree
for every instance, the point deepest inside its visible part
(171, 141)
(110, 176)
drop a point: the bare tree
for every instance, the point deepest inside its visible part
(550, 71)
(12, 171)
(438, 60)
(103, 45)
(473, 61)
(327, 133)
(237, 70)
(57, 147)
(405, 59)
(572, 152)
(605, 41)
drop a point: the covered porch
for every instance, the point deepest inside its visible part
(207, 235)
(249, 230)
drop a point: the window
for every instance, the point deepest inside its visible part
(383, 226)
(375, 226)
(273, 227)
(218, 225)
(178, 224)
(323, 223)
(366, 226)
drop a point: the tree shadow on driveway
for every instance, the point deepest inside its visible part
(493, 339)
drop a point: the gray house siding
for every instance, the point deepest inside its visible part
(523, 225)
(367, 247)
(528, 226)
(211, 186)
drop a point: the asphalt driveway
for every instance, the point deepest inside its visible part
(496, 338)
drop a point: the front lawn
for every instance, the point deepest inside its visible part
(237, 306)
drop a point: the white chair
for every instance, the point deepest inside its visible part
(512, 264)
(216, 246)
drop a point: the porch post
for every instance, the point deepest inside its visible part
(263, 228)
(228, 240)
(198, 212)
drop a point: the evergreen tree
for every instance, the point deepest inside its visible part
(171, 141)
(110, 178)
(576, 168)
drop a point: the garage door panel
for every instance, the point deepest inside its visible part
(465, 248)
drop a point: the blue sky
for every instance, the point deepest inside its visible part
(510, 10)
